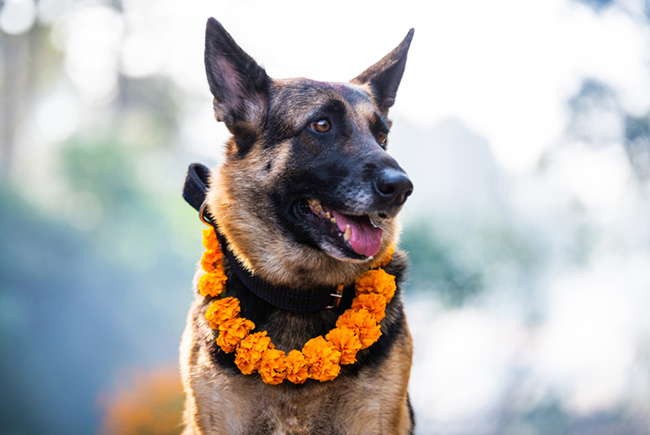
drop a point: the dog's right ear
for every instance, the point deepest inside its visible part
(384, 77)
(239, 85)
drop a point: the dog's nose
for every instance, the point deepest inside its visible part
(393, 186)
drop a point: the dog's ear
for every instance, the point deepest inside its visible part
(384, 76)
(239, 85)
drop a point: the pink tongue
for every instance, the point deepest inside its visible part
(364, 238)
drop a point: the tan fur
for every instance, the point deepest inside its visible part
(241, 214)
(372, 397)
(219, 403)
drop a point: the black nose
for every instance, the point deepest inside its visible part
(393, 186)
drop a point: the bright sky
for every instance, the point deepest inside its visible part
(505, 68)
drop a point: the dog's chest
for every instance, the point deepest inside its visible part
(304, 409)
(281, 414)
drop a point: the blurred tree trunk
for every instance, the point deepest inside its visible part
(27, 64)
(13, 87)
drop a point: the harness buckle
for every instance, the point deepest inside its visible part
(202, 216)
(337, 297)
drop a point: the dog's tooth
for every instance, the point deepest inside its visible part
(313, 202)
(327, 215)
(347, 234)
(333, 219)
(318, 208)
(375, 220)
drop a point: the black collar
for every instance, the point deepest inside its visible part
(194, 191)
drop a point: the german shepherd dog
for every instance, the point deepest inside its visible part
(307, 197)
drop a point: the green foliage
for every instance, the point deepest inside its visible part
(459, 261)
(85, 293)
(435, 267)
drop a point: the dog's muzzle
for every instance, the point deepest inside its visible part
(392, 187)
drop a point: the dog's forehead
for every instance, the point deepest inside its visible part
(353, 94)
(307, 94)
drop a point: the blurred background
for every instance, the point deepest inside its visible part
(524, 125)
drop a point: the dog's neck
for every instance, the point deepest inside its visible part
(294, 300)
(284, 298)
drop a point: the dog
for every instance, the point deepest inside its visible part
(306, 199)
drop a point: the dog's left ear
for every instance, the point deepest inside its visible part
(239, 85)
(384, 76)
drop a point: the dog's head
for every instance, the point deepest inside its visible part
(307, 193)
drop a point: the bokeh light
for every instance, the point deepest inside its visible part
(524, 126)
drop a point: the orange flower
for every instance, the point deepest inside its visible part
(373, 302)
(211, 260)
(250, 350)
(346, 342)
(210, 241)
(362, 323)
(222, 310)
(376, 281)
(273, 367)
(296, 367)
(385, 259)
(212, 283)
(322, 359)
(232, 332)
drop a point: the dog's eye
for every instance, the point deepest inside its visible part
(381, 138)
(321, 126)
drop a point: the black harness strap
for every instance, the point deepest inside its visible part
(302, 301)
(196, 186)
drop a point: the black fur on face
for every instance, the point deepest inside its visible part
(338, 168)
(302, 153)
(239, 86)
(308, 159)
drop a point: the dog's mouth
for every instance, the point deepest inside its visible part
(347, 235)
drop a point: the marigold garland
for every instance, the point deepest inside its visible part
(232, 332)
(321, 357)
(296, 367)
(250, 351)
(363, 324)
(273, 367)
(345, 341)
(376, 281)
(385, 259)
(210, 260)
(221, 310)
(210, 240)
(213, 283)
(374, 303)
